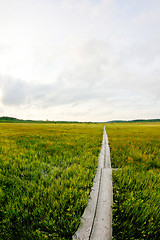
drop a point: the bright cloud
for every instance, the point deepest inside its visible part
(80, 60)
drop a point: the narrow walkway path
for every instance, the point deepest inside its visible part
(96, 222)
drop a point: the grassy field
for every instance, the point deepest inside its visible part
(135, 150)
(46, 173)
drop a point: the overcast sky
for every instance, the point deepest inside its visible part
(85, 60)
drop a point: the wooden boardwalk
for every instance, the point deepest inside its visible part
(96, 221)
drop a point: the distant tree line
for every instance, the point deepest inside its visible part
(16, 120)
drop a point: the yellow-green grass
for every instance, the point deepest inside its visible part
(46, 173)
(135, 151)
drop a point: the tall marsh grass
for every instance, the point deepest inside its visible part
(46, 173)
(135, 151)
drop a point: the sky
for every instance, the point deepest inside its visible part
(80, 60)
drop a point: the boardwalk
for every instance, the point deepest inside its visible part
(96, 222)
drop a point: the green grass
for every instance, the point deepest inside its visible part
(135, 150)
(46, 173)
(47, 170)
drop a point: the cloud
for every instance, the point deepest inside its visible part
(80, 57)
(14, 91)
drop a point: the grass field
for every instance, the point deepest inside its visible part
(135, 150)
(46, 173)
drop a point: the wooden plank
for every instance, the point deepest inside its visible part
(96, 222)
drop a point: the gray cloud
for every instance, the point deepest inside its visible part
(14, 91)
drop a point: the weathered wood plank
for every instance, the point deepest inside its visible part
(96, 222)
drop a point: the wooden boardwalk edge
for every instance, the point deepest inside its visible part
(96, 221)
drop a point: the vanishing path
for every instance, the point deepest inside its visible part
(96, 221)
